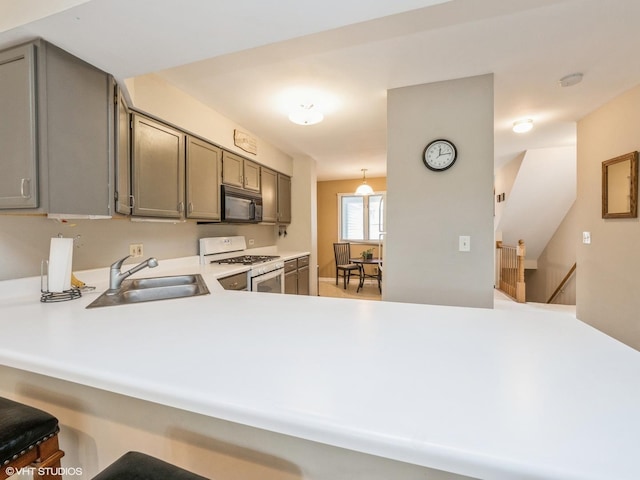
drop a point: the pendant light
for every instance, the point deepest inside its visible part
(363, 188)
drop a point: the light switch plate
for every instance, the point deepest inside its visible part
(586, 238)
(465, 243)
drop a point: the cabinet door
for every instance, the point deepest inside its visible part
(284, 199)
(18, 148)
(291, 283)
(157, 168)
(303, 280)
(269, 182)
(251, 176)
(203, 179)
(123, 154)
(232, 168)
(79, 135)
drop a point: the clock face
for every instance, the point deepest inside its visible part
(439, 155)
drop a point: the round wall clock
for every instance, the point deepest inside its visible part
(439, 155)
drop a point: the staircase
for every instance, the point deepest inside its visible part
(539, 188)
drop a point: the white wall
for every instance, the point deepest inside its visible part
(428, 211)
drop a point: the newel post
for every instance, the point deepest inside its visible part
(520, 286)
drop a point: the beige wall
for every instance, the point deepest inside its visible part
(24, 239)
(608, 284)
(328, 220)
(428, 211)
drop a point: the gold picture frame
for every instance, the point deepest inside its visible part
(620, 186)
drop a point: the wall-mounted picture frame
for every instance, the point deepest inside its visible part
(620, 186)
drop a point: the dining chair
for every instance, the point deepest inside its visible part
(344, 267)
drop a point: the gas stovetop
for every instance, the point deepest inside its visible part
(247, 259)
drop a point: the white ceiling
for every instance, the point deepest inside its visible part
(239, 57)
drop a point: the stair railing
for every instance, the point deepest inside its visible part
(562, 283)
(512, 270)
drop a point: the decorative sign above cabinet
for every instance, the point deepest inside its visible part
(245, 141)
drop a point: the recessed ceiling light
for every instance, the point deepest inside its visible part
(571, 80)
(522, 126)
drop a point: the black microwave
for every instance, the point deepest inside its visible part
(240, 205)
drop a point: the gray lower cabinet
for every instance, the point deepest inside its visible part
(57, 150)
(296, 276)
(269, 180)
(157, 168)
(203, 163)
(284, 199)
(291, 276)
(303, 275)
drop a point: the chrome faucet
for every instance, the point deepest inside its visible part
(116, 276)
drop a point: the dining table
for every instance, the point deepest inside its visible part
(361, 262)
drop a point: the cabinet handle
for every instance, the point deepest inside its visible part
(133, 201)
(190, 207)
(25, 188)
(181, 207)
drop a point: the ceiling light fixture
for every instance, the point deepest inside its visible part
(363, 188)
(571, 80)
(306, 114)
(522, 126)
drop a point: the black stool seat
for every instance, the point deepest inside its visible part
(22, 428)
(138, 466)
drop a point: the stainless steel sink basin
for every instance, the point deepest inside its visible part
(164, 281)
(152, 289)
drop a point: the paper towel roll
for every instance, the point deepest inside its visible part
(60, 259)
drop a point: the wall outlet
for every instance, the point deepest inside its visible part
(136, 250)
(586, 238)
(464, 243)
(251, 241)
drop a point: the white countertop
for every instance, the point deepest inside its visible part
(492, 394)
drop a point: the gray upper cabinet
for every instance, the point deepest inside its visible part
(240, 172)
(204, 162)
(18, 151)
(251, 176)
(157, 169)
(57, 151)
(269, 180)
(123, 154)
(284, 198)
(79, 135)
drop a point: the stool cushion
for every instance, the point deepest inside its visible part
(138, 466)
(21, 427)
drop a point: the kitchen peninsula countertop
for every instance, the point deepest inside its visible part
(492, 394)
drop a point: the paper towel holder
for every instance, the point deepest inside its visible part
(47, 296)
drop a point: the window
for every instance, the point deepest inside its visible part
(360, 217)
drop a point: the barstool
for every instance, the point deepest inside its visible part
(28, 438)
(138, 466)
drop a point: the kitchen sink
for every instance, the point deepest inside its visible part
(152, 289)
